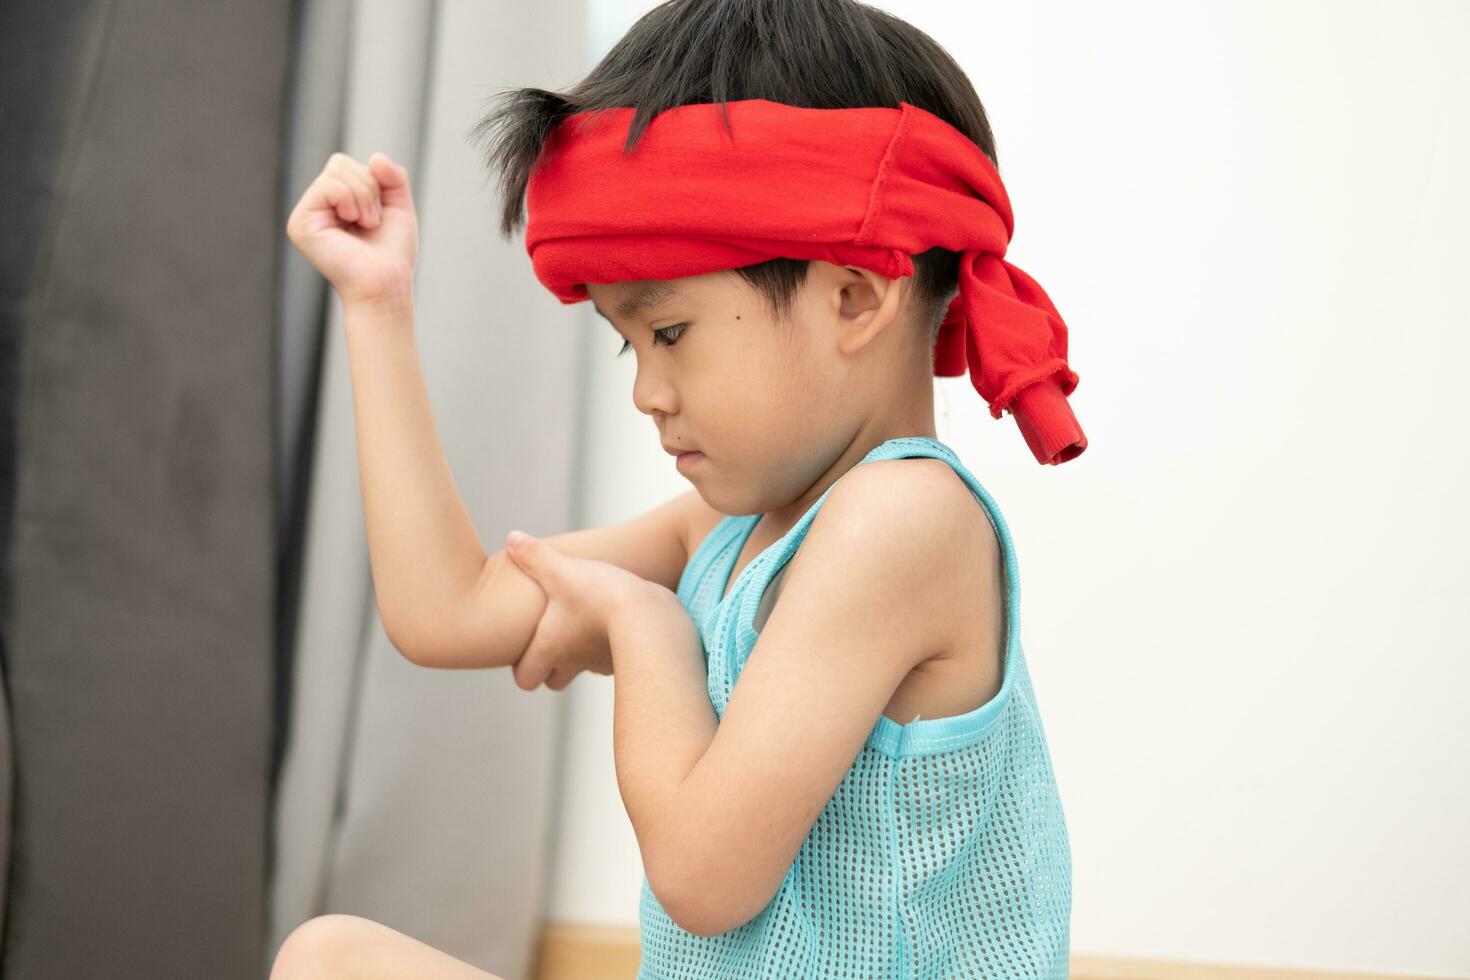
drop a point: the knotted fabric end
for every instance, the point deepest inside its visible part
(1047, 423)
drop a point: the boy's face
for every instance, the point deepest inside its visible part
(768, 405)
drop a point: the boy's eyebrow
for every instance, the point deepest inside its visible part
(640, 297)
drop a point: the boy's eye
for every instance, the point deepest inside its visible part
(661, 336)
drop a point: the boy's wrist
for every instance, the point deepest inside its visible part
(389, 306)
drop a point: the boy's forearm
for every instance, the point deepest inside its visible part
(426, 556)
(663, 722)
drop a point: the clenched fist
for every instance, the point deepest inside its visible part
(356, 223)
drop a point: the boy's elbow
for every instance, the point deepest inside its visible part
(691, 912)
(408, 645)
(701, 904)
(440, 643)
(419, 642)
(678, 894)
(705, 912)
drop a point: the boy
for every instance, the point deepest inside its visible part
(874, 795)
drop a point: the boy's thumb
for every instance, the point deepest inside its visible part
(392, 178)
(524, 549)
(392, 168)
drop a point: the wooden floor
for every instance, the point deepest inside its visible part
(574, 951)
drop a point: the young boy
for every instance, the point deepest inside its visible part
(824, 731)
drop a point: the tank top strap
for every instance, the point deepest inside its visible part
(705, 573)
(763, 568)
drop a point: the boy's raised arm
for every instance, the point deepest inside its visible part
(427, 560)
(442, 600)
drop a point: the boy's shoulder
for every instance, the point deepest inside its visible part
(921, 495)
(907, 529)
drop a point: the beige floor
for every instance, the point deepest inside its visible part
(572, 951)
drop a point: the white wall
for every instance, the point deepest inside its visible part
(1244, 604)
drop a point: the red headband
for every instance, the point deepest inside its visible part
(863, 187)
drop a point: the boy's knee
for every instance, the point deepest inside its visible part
(320, 947)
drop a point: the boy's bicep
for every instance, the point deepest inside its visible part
(500, 613)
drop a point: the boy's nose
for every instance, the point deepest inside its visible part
(653, 395)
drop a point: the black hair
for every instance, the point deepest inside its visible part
(819, 54)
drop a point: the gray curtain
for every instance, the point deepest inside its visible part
(138, 634)
(37, 45)
(415, 797)
(205, 738)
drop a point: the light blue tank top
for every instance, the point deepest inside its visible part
(944, 850)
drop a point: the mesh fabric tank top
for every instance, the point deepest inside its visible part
(943, 851)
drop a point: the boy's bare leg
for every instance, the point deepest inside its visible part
(350, 947)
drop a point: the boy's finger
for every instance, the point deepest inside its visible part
(392, 181)
(343, 201)
(530, 671)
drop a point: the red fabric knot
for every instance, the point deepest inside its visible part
(865, 187)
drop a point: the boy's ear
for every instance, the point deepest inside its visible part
(866, 304)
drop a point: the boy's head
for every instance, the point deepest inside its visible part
(786, 360)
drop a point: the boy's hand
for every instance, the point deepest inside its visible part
(356, 223)
(582, 596)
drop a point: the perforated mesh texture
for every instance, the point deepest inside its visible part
(943, 852)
